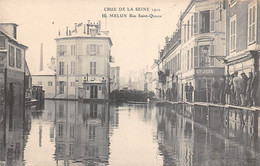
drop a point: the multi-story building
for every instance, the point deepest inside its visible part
(12, 67)
(83, 55)
(170, 63)
(114, 77)
(203, 39)
(155, 83)
(243, 36)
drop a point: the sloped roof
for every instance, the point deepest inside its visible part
(13, 39)
(46, 72)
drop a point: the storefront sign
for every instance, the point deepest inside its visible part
(209, 72)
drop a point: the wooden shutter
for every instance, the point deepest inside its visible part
(88, 49)
(212, 53)
(98, 49)
(196, 56)
(196, 23)
(212, 21)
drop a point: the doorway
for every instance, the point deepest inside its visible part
(93, 92)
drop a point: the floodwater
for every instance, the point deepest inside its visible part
(73, 133)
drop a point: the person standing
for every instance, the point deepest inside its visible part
(248, 101)
(232, 91)
(243, 88)
(222, 89)
(255, 84)
(187, 91)
(227, 89)
(237, 87)
(215, 90)
(190, 90)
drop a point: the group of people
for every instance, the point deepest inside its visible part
(236, 90)
(189, 91)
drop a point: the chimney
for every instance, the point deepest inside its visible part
(99, 27)
(67, 31)
(76, 27)
(10, 28)
(88, 24)
(41, 58)
(84, 28)
(53, 63)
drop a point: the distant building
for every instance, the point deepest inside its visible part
(155, 79)
(83, 56)
(114, 77)
(148, 81)
(12, 68)
(47, 79)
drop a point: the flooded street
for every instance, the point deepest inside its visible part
(73, 133)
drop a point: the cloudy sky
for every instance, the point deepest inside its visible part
(135, 39)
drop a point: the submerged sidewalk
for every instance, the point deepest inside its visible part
(257, 108)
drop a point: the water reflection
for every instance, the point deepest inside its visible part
(73, 133)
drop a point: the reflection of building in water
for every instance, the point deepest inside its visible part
(173, 132)
(14, 130)
(82, 133)
(207, 136)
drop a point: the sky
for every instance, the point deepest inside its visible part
(135, 40)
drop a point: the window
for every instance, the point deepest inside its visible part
(73, 50)
(18, 58)
(92, 67)
(39, 83)
(50, 83)
(196, 23)
(60, 130)
(72, 83)
(11, 56)
(2, 41)
(61, 71)
(204, 21)
(188, 60)
(191, 28)
(188, 30)
(204, 56)
(233, 33)
(179, 61)
(73, 68)
(62, 50)
(191, 58)
(93, 49)
(252, 22)
(184, 34)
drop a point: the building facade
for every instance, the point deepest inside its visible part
(83, 54)
(114, 77)
(12, 69)
(170, 65)
(243, 37)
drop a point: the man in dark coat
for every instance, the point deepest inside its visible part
(187, 91)
(243, 90)
(227, 89)
(191, 89)
(248, 90)
(255, 84)
(215, 91)
(222, 89)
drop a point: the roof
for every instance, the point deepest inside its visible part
(13, 39)
(46, 72)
